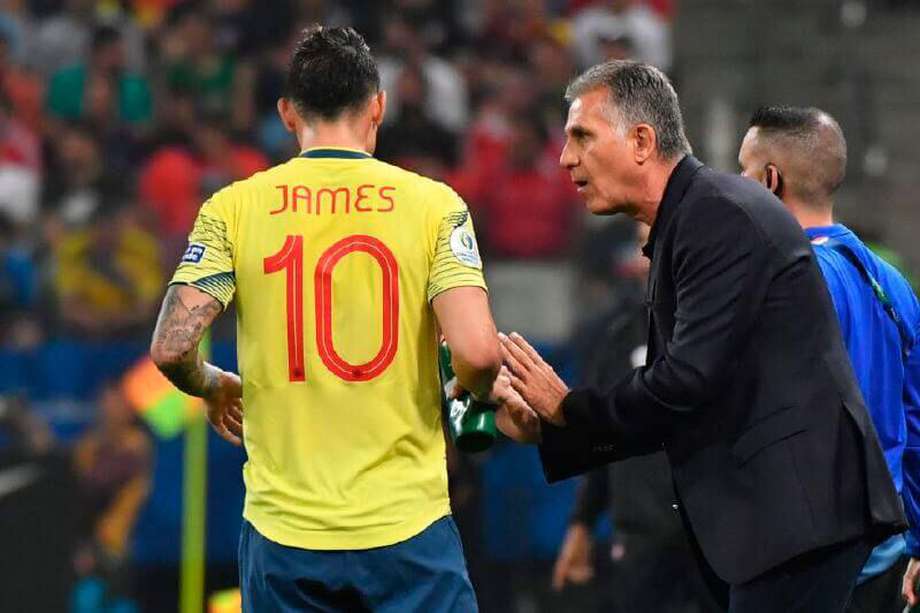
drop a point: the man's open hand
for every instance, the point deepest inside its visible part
(534, 379)
(513, 417)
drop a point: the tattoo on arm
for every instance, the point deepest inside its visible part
(179, 329)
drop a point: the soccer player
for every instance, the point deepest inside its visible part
(343, 269)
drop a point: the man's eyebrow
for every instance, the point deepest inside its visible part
(577, 130)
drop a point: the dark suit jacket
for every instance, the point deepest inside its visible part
(747, 386)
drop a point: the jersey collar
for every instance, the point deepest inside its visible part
(820, 234)
(336, 153)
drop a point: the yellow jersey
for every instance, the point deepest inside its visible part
(334, 258)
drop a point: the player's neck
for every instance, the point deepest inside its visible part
(812, 216)
(334, 135)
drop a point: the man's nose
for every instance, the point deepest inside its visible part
(567, 159)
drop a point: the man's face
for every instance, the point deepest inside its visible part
(599, 159)
(752, 158)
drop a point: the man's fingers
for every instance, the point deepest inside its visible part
(519, 361)
(526, 347)
(519, 386)
(233, 426)
(236, 412)
(509, 358)
(225, 434)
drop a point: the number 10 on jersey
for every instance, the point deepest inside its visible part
(290, 260)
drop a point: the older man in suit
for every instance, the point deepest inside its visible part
(778, 472)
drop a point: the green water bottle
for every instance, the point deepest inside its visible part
(471, 423)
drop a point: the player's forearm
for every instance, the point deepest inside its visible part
(184, 317)
(197, 378)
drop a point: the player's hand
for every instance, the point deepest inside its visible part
(225, 408)
(514, 417)
(909, 584)
(574, 562)
(534, 379)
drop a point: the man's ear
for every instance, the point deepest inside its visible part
(773, 180)
(378, 108)
(771, 177)
(288, 115)
(645, 142)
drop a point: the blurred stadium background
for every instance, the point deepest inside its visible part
(118, 117)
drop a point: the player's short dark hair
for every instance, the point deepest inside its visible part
(792, 120)
(815, 135)
(639, 93)
(331, 72)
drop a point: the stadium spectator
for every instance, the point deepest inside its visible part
(113, 462)
(176, 177)
(19, 289)
(169, 188)
(108, 275)
(102, 86)
(508, 92)
(196, 61)
(16, 29)
(600, 25)
(414, 140)
(64, 38)
(527, 205)
(547, 57)
(508, 28)
(22, 87)
(78, 179)
(447, 100)
(20, 168)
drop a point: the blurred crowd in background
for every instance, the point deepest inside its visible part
(119, 117)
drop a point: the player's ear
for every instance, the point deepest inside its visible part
(378, 108)
(773, 180)
(288, 115)
(644, 141)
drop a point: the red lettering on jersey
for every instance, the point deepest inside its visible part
(389, 199)
(284, 200)
(301, 193)
(334, 196)
(322, 280)
(362, 197)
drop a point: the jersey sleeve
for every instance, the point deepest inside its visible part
(456, 261)
(207, 263)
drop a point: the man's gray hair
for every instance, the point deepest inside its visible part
(639, 93)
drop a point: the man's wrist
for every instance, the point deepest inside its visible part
(558, 413)
(210, 380)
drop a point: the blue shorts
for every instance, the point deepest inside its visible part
(425, 573)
